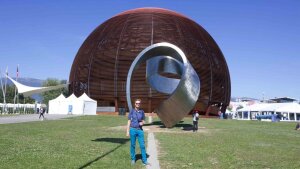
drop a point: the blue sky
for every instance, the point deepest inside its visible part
(260, 39)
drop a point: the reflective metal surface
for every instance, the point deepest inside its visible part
(162, 65)
(184, 92)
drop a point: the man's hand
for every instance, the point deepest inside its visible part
(141, 123)
(128, 127)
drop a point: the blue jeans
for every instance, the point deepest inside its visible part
(137, 133)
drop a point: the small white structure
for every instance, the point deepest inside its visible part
(89, 105)
(290, 111)
(83, 105)
(23, 108)
(71, 105)
(55, 105)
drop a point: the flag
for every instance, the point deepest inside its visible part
(17, 71)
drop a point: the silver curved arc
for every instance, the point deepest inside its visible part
(159, 83)
(141, 58)
(185, 95)
(160, 65)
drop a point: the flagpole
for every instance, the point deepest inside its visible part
(2, 92)
(18, 101)
(5, 106)
(16, 90)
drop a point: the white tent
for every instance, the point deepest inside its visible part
(290, 112)
(55, 105)
(264, 107)
(72, 105)
(292, 108)
(89, 105)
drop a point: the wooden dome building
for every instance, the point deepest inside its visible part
(102, 63)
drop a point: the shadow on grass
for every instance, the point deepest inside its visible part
(112, 140)
(156, 123)
(187, 128)
(139, 156)
(184, 126)
(120, 141)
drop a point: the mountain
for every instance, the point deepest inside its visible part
(27, 81)
(235, 99)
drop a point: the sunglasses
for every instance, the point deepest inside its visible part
(137, 103)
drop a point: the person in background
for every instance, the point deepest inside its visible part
(195, 120)
(297, 126)
(136, 120)
(41, 113)
(220, 115)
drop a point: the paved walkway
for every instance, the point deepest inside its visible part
(152, 151)
(30, 118)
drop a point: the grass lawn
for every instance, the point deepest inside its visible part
(231, 144)
(98, 142)
(83, 142)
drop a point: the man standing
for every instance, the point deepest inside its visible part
(136, 119)
(42, 113)
(195, 120)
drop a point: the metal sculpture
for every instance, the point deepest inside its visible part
(164, 58)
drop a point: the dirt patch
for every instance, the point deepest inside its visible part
(158, 128)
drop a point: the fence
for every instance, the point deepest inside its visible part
(10, 108)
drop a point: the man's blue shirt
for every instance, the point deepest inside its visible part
(136, 116)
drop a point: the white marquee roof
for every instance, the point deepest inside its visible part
(61, 97)
(277, 107)
(293, 107)
(28, 90)
(85, 97)
(72, 97)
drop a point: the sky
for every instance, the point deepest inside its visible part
(260, 39)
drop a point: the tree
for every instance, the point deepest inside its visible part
(49, 95)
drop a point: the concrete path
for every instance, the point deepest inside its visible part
(152, 151)
(30, 118)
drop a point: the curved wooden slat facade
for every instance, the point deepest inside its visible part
(101, 65)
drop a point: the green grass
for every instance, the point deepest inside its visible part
(97, 142)
(231, 144)
(87, 141)
(7, 115)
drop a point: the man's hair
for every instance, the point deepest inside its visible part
(137, 100)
